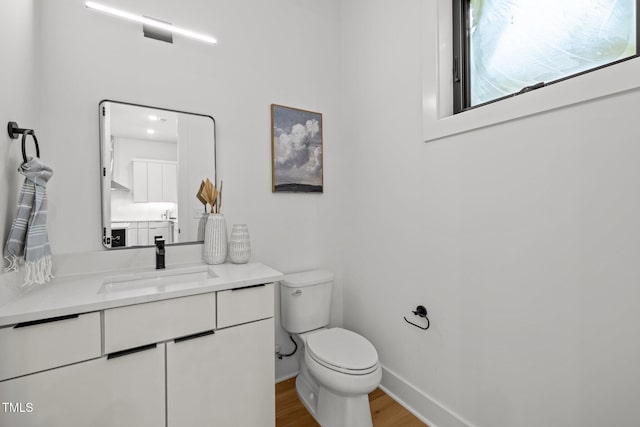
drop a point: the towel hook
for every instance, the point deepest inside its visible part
(420, 311)
(14, 130)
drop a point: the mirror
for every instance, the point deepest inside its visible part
(152, 162)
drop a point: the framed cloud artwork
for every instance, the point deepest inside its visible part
(296, 150)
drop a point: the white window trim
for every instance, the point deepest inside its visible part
(437, 92)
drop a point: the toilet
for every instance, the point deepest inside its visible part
(338, 368)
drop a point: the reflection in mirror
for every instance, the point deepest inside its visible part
(152, 162)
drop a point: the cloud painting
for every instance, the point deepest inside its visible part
(296, 149)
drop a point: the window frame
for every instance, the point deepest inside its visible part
(461, 73)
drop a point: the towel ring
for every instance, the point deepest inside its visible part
(24, 140)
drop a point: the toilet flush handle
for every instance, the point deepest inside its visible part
(297, 293)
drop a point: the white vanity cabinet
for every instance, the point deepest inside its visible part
(39, 345)
(126, 390)
(141, 324)
(222, 379)
(197, 360)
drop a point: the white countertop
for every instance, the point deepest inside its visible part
(81, 293)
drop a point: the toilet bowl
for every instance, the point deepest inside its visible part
(337, 367)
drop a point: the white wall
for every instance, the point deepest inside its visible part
(281, 51)
(521, 239)
(17, 91)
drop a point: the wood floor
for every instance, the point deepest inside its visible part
(385, 411)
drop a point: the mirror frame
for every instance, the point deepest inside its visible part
(106, 240)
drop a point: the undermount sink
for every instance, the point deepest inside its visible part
(160, 279)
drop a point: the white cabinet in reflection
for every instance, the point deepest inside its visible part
(160, 230)
(154, 181)
(144, 233)
(132, 237)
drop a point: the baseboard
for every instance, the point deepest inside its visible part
(427, 409)
(286, 377)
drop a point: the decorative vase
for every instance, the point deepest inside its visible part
(214, 250)
(239, 244)
(202, 225)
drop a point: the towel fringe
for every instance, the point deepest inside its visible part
(13, 263)
(38, 272)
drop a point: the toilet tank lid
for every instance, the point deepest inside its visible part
(307, 278)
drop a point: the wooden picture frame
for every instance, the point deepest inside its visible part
(296, 150)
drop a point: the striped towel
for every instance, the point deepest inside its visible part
(28, 238)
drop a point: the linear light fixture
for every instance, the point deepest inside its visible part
(150, 22)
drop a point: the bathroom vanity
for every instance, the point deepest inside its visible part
(186, 346)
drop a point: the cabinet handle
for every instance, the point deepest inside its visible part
(130, 351)
(249, 287)
(194, 336)
(41, 321)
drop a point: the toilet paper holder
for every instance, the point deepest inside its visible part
(420, 311)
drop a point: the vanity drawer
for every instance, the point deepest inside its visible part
(44, 344)
(141, 324)
(242, 305)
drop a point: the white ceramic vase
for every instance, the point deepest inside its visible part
(214, 250)
(239, 244)
(202, 226)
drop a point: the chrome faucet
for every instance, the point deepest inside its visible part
(159, 254)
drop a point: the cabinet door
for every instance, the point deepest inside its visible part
(169, 182)
(225, 379)
(143, 237)
(122, 391)
(159, 232)
(143, 233)
(48, 343)
(132, 236)
(154, 182)
(140, 181)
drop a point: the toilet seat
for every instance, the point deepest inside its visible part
(343, 351)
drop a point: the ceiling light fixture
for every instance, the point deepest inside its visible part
(150, 22)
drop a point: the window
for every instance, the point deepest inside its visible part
(506, 47)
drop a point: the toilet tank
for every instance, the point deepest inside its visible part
(305, 300)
